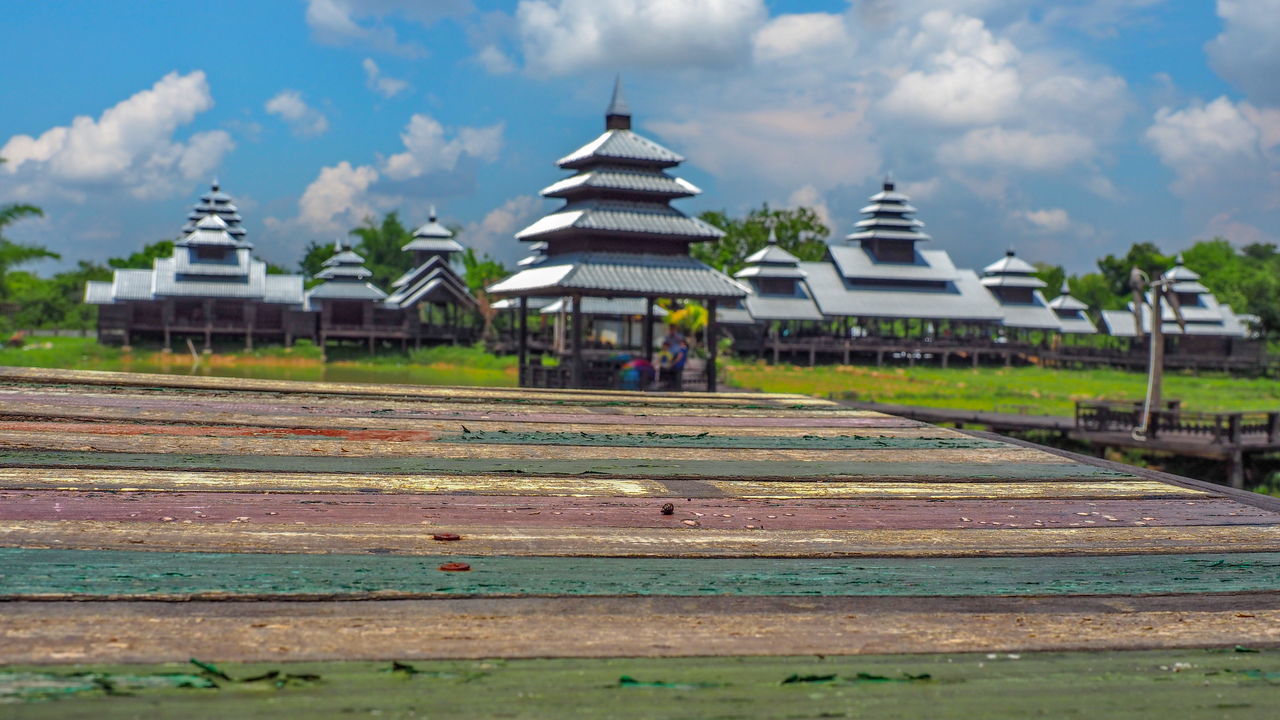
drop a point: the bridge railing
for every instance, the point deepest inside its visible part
(1232, 428)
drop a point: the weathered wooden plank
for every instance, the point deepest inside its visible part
(548, 511)
(421, 411)
(36, 434)
(420, 428)
(1185, 682)
(50, 573)
(680, 541)
(892, 450)
(92, 378)
(576, 486)
(614, 408)
(983, 465)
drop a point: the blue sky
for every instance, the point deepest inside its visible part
(1066, 129)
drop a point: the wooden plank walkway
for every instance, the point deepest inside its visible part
(146, 520)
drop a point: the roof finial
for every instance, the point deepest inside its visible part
(432, 215)
(888, 181)
(618, 116)
(1178, 260)
(773, 236)
(215, 183)
(337, 245)
(1010, 252)
(1065, 290)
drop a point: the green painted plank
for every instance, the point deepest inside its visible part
(706, 440)
(699, 469)
(1186, 684)
(39, 572)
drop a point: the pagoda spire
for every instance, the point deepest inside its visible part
(618, 115)
(773, 236)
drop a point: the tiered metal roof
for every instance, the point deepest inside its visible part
(212, 260)
(345, 278)
(432, 237)
(1071, 314)
(1201, 311)
(216, 202)
(855, 281)
(778, 290)
(616, 234)
(1013, 283)
(888, 218)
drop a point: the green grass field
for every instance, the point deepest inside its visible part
(1026, 389)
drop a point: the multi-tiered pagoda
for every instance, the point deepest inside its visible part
(1208, 325)
(618, 236)
(1013, 283)
(882, 274)
(433, 280)
(210, 287)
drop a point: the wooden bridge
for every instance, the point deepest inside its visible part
(347, 550)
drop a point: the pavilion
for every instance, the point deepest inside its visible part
(211, 286)
(882, 276)
(433, 284)
(617, 236)
(1209, 326)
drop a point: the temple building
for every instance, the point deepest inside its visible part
(1210, 326)
(348, 306)
(1013, 283)
(432, 290)
(1072, 315)
(616, 236)
(882, 276)
(211, 287)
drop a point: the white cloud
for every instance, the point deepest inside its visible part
(383, 85)
(428, 150)
(1017, 149)
(339, 22)
(921, 190)
(302, 119)
(1202, 143)
(568, 36)
(494, 234)
(495, 61)
(338, 198)
(793, 146)
(130, 146)
(1051, 220)
(1247, 51)
(969, 76)
(810, 197)
(787, 36)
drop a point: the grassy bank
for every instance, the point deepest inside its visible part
(445, 365)
(1026, 389)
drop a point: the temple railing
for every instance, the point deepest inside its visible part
(1231, 428)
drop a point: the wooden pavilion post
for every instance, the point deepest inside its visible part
(522, 343)
(577, 341)
(711, 345)
(647, 334)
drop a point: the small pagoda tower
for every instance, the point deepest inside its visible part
(1013, 283)
(216, 202)
(889, 233)
(778, 289)
(433, 291)
(346, 301)
(1071, 313)
(618, 236)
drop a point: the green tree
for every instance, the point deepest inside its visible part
(799, 231)
(380, 245)
(479, 272)
(145, 258)
(1145, 256)
(1053, 276)
(13, 254)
